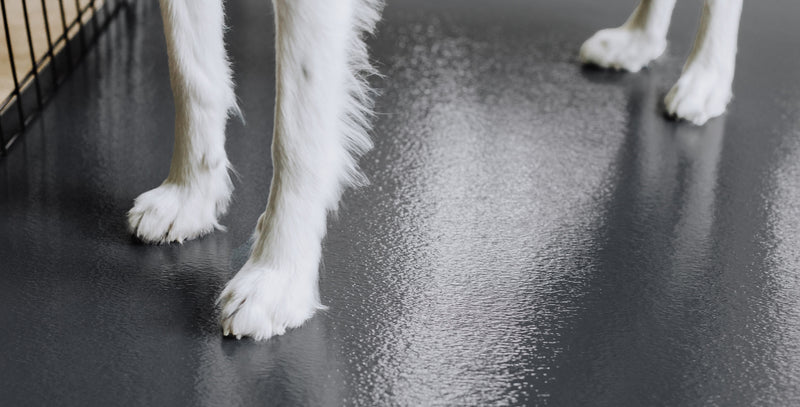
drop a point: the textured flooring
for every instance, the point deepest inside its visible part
(535, 233)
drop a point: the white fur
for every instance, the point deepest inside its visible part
(175, 211)
(261, 301)
(198, 187)
(321, 117)
(633, 45)
(704, 89)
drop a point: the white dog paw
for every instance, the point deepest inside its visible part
(700, 94)
(174, 213)
(260, 302)
(622, 48)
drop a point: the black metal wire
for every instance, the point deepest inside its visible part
(16, 91)
(50, 43)
(49, 60)
(94, 20)
(33, 55)
(79, 20)
(65, 34)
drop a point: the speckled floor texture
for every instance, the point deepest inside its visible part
(535, 233)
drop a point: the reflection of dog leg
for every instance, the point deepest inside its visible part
(198, 188)
(632, 46)
(320, 120)
(704, 89)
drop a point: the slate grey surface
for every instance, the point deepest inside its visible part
(535, 233)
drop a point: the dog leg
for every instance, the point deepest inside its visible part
(633, 45)
(321, 115)
(198, 187)
(704, 88)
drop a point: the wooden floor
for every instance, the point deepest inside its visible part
(19, 38)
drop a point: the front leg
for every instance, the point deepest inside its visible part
(704, 88)
(198, 188)
(633, 45)
(320, 130)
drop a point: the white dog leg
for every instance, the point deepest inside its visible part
(198, 187)
(633, 45)
(320, 130)
(704, 88)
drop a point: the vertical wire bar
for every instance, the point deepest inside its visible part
(108, 10)
(65, 33)
(50, 44)
(2, 140)
(33, 55)
(80, 27)
(94, 20)
(2, 133)
(101, 9)
(13, 66)
(104, 9)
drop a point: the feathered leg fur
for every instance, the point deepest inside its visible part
(704, 88)
(321, 120)
(198, 187)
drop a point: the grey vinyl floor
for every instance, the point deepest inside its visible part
(535, 232)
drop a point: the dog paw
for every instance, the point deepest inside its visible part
(700, 94)
(622, 48)
(260, 302)
(174, 212)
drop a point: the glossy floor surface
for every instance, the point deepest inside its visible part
(536, 233)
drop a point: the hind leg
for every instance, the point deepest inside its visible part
(198, 187)
(633, 45)
(704, 88)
